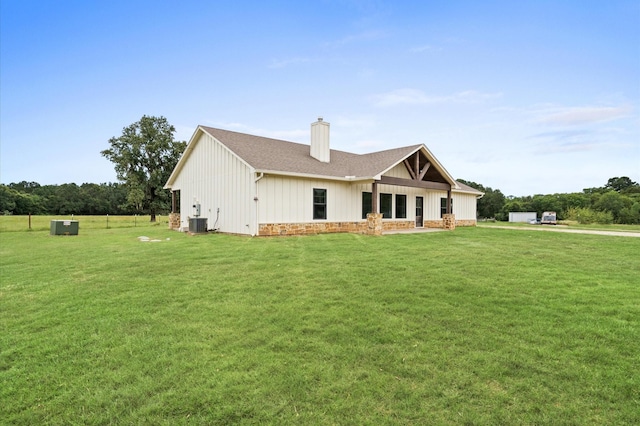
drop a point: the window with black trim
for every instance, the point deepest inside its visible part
(443, 206)
(367, 204)
(386, 206)
(319, 203)
(401, 206)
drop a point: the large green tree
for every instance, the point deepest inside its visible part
(621, 184)
(144, 157)
(491, 204)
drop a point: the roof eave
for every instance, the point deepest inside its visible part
(316, 176)
(183, 159)
(441, 169)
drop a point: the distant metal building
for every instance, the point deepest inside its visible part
(522, 216)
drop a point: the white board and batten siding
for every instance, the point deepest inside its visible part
(216, 178)
(283, 199)
(464, 205)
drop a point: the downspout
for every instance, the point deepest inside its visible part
(256, 199)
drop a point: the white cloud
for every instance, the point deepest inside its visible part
(578, 140)
(282, 63)
(401, 97)
(425, 48)
(356, 38)
(573, 116)
(418, 97)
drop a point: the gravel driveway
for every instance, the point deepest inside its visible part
(561, 228)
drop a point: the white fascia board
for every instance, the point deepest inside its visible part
(396, 163)
(434, 162)
(463, 191)
(183, 159)
(187, 153)
(320, 177)
(440, 167)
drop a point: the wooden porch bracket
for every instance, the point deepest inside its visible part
(414, 169)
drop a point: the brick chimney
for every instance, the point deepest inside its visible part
(320, 141)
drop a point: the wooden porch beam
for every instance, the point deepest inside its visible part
(413, 183)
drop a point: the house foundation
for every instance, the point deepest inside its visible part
(373, 225)
(275, 229)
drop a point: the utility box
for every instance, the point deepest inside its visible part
(64, 227)
(197, 225)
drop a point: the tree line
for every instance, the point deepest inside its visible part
(24, 198)
(143, 157)
(618, 201)
(146, 153)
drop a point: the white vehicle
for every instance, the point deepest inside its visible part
(549, 218)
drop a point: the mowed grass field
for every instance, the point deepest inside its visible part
(43, 222)
(474, 326)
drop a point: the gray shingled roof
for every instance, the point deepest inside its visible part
(274, 155)
(467, 188)
(277, 155)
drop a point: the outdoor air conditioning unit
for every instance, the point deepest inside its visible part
(197, 225)
(64, 227)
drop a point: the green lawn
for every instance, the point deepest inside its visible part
(474, 326)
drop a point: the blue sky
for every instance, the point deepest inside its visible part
(529, 97)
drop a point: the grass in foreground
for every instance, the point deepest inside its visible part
(475, 326)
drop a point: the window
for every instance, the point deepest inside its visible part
(443, 206)
(319, 203)
(401, 206)
(367, 204)
(386, 206)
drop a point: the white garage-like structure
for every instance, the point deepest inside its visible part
(246, 184)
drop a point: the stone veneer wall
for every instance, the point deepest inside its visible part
(174, 220)
(373, 226)
(272, 229)
(396, 225)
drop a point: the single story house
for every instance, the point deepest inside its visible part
(253, 185)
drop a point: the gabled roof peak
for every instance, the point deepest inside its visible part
(265, 154)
